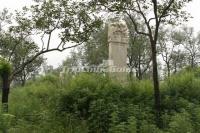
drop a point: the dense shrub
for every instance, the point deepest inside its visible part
(181, 123)
(92, 103)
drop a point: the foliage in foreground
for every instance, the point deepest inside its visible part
(89, 103)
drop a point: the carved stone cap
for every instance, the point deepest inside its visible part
(118, 33)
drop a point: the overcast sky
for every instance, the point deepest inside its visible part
(55, 58)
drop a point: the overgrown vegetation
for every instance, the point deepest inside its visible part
(92, 102)
(95, 104)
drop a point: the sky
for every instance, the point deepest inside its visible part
(56, 58)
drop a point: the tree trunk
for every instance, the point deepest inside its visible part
(156, 84)
(139, 69)
(175, 67)
(168, 70)
(192, 62)
(5, 91)
(131, 73)
(139, 66)
(139, 73)
(23, 80)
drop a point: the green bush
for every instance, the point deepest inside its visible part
(149, 128)
(6, 122)
(92, 103)
(181, 123)
(94, 98)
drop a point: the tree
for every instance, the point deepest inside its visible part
(191, 45)
(30, 71)
(167, 46)
(5, 18)
(139, 53)
(5, 71)
(153, 13)
(71, 21)
(16, 51)
(178, 61)
(75, 59)
(96, 49)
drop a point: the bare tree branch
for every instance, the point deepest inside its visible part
(21, 68)
(136, 26)
(163, 14)
(145, 19)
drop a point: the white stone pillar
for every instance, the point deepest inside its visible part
(118, 43)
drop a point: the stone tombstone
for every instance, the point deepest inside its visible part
(118, 43)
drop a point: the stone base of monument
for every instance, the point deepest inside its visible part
(119, 74)
(119, 77)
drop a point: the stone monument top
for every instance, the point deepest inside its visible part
(118, 32)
